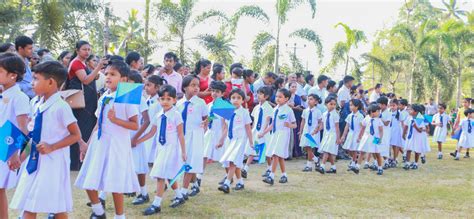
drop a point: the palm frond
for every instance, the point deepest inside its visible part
(261, 40)
(311, 36)
(252, 11)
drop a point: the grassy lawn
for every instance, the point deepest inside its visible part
(439, 188)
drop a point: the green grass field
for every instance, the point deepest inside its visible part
(439, 188)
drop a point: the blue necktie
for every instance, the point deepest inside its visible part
(259, 120)
(162, 138)
(184, 114)
(231, 127)
(32, 165)
(101, 115)
(328, 126)
(352, 122)
(441, 120)
(410, 133)
(274, 121)
(372, 130)
(211, 116)
(149, 102)
(310, 118)
(391, 120)
(469, 126)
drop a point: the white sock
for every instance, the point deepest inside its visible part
(102, 195)
(199, 176)
(119, 216)
(98, 209)
(357, 166)
(184, 191)
(246, 167)
(333, 167)
(178, 193)
(366, 163)
(380, 168)
(308, 163)
(157, 201)
(143, 190)
(241, 181)
(272, 175)
(440, 153)
(196, 184)
(284, 174)
(227, 182)
(323, 166)
(315, 159)
(269, 167)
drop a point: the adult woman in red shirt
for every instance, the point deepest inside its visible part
(203, 70)
(82, 78)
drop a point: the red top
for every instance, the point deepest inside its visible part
(250, 95)
(204, 85)
(75, 66)
(230, 86)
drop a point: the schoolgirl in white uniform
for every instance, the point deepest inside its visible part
(371, 135)
(312, 124)
(351, 131)
(396, 130)
(331, 136)
(386, 117)
(415, 136)
(440, 121)
(152, 86)
(466, 140)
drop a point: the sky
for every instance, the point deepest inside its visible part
(366, 15)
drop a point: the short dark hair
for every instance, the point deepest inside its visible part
(382, 100)
(308, 78)
(22, 41)
(377, 86)
(167, 89)
(132, 56)
(171, 55)
(135, 76)
(187, 80)
(237, 91)
(394, 101)
(266, 91)
(247, 73)
(357, 103)
(348, 79)
(299, 75)
(52, 69)
(62, 55)
(121, 67)
(216, 69)
(177, 66)
(157, 80)
(442, 105)
(329, 99)
(235, 65)
(12, 63)
(271, 75)
(418, 108)
(238, 71)
(285, 92)
(41, 52)
(468, 111)
(4, 47)
(404, 102)
(322, 78)
(116, 58)
(315, 96)
(331, 84)
(218, 85)
(372, 108)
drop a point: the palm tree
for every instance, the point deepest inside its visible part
(219, 46)
(452, 9)
(341, 51)
(391, 67)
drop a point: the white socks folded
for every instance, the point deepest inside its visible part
(98, 209)
(157, 201)
(143, 191)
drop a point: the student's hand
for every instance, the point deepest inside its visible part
(44, 148)
(358, 140)
(287, 124)
(260, 135)
(134, 142)
(220, 144)
(314, 132)
(14, 162)
(184, 156)
(111, 115)
(204, 124)
(23, 156)
(102, 63)
(83, 149)
(251, 145)
(404, 137)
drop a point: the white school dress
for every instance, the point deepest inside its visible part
(328, 143)
(13, 103)
(266, 111)
(385, 116)
(140, 161)
(405, 121)
(367, 144)
(168, 160)
(236, 145)
(440, 133)
(280, 135)
(466, 140)
(48, 189)
(416, 141)
(212, 137)
(351, 140)
(316, 117)
(396, 130)
(150, 144)
(108, 165)
(194, 132)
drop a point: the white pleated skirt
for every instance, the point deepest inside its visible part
(328, 143)
(194, 140)
(234, 151)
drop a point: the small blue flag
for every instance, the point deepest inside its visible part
(312, 142)
(457, 135)
(419, 119)
(11, 140)
(130, 93)
(261, 150)
(223, 108)
(185, 168)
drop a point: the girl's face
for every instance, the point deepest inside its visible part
(151, 89)
(353, 107)
(7, 78)
(220, 76)
(236, 100)
(193, 88)
(216, 93)
(280, 99)
(166, 101)
(412, 112)
(205, 70)
(93, 63)
(250, 79)
(112, 78)
(261, 97)
(331, 105)
(375, 114)
(333, 89)
(393, 107)
(281, 85)
(312, 102)
(293, 88)
(84, 51)
(66, 59)
(441, 110)
(466, 104)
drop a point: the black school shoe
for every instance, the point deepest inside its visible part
(177, 202)
(355, 170)
(440, 156)
(423, 159)
(406, 167)
(223, 180)
(307, 169)
(467, 155)
(50, 216)
(414, 167)
(152, 210)
(94, 216)
(366, 166)
(283, 179)
(453, 154)
(239, 186)
(266, 174)
(332, 171)
(102, 201)
(141, 199)
(199, 182)
(269, 181)
(224, 188)
(132, 194)
(194, 191)
(321, 170)
(185, 197)
(244, 173)
(380, 172)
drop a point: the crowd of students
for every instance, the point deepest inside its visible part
(175, 126)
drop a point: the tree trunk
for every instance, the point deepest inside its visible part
(277, 47)
(147, 20)
(181, 50)
(458, 81)
(410, 80)
(106, 31)
(347, 63)
(13, 30)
